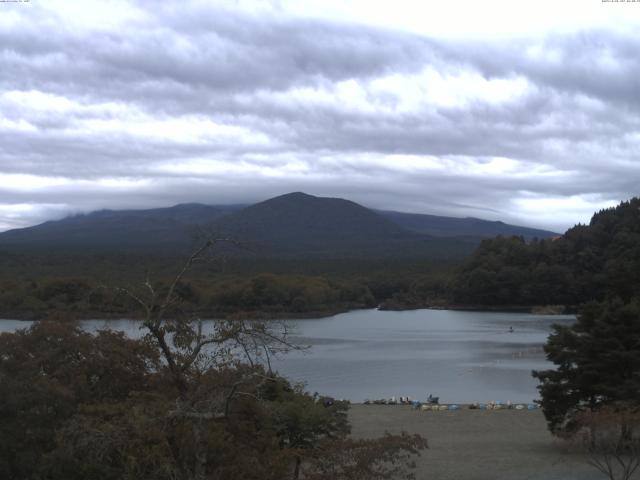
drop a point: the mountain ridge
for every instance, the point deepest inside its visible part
(443, 226)
(297, 222)
(291, 224)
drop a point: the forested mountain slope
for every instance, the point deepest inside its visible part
(295, 224)
(440, 226)
(589, 262)
(118, 231)
(299, 223)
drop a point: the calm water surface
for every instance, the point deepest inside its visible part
(459, 356)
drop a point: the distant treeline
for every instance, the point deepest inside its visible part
(87, 287)
(261, 295)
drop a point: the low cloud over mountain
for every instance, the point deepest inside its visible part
(148, 104)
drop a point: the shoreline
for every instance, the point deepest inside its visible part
(454, 406)
(31, 317)
(533, 309)
(259, 315)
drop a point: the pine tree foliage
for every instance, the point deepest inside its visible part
(589, 262)
(597, 363)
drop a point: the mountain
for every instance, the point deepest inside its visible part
(466, 227)
(294, 224)
(158, 230)
(297, 222)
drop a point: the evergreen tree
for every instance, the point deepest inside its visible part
(598, 363)
(589, 262)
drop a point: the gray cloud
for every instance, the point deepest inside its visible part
(222, 106)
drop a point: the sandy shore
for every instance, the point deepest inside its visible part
(478, 444)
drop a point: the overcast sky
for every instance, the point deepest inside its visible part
(528, 112)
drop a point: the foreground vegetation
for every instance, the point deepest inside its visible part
(181, 403)
(593, 395)
(77, 406)
(597, 364)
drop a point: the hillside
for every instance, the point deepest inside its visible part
(439, 226)
(300, 223)
(160, 230)
(589, 262)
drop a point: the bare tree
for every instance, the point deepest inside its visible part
(611, 436)
(190, 348)
(186, 345)
(213, 365)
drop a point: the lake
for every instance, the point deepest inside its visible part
(459, 356)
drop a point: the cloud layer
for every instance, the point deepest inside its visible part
(140, 105)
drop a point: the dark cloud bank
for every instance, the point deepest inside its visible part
(221, 106)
